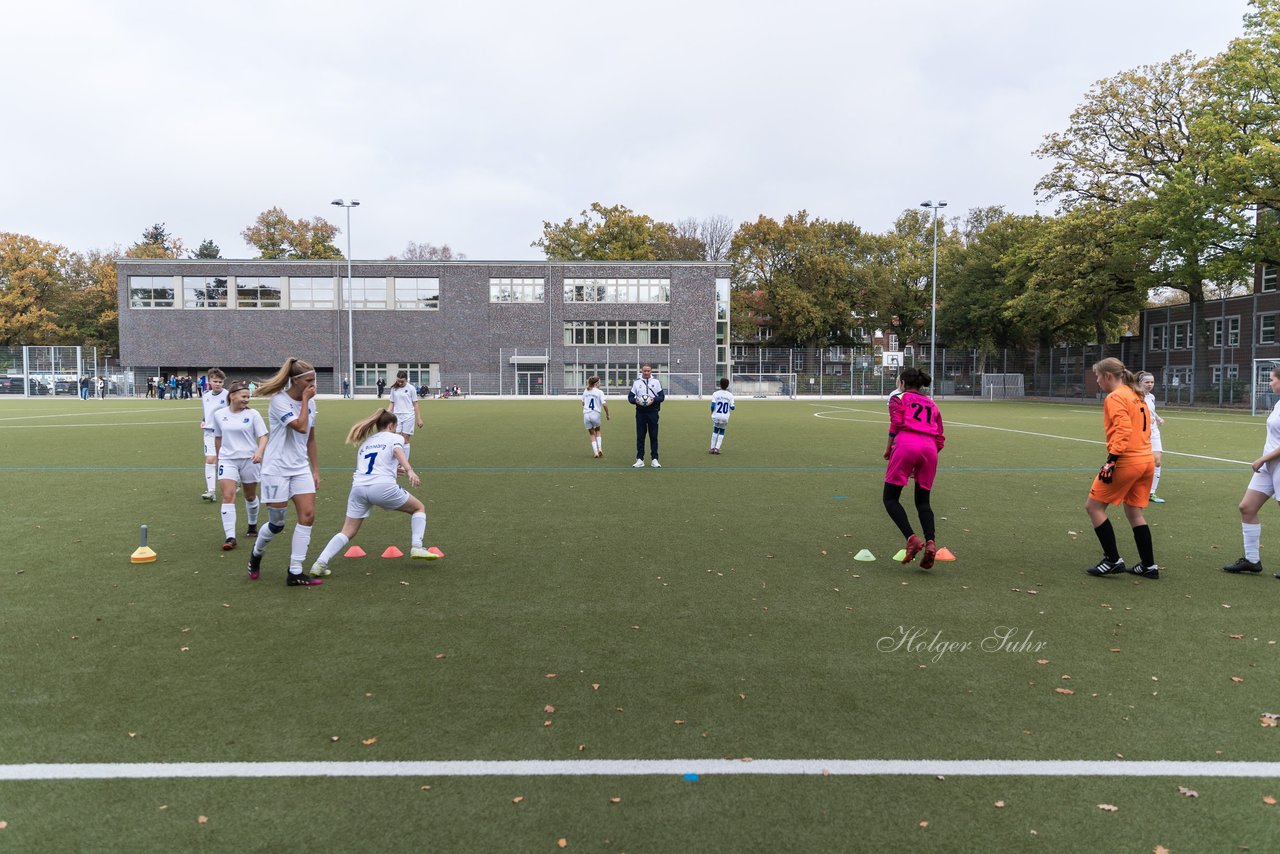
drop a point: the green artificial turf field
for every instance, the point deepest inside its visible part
(589, 611)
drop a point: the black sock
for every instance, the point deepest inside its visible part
(1107, 537)
(925, 511)
(1142, 538)
(894, 507)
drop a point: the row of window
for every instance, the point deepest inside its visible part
(1177, 336)
(504, 290)
(617, 332)
(614, 377)
(219, 292)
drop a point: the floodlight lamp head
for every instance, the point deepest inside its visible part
(337, 202)
(941, 203)
(926, 204)
(355, 203)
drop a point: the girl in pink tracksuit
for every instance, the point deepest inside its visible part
(915, 438)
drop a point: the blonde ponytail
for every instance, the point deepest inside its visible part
(380, 420)
(291, 368)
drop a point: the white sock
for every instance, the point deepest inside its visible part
(251, 510)
(210, 477)
(417, 529)
(229, 520)
(714, 434)
(335, 545)
(1155, 481)
(301, 541)
(600, 444)
(408, 451)
(1252, 540)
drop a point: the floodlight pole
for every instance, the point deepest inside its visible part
(933, 331)
(351, 346)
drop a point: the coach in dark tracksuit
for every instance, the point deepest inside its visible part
(647, 394)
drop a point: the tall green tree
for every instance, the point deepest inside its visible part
(156, 242)
(208, 249)
(1133, 143)
(616, 233)
(810, 277)
(275, 235)
(33, 277)
(1241, 126)
(90, 313)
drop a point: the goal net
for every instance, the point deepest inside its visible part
(1262, 398)
(686, 385)
(1003, 386)
(764, 385)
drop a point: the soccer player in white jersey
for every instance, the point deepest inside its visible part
(212, 400)
(374, 484)
(404, 403)
(1148, 382)
(721, 406)
(592, 405)
(1264, 484)
(290, 467)
(240, 438)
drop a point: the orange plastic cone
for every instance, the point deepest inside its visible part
(435, 551)
(392, 551)
(944, 553)
(354, 551)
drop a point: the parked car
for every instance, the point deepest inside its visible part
(13, 385)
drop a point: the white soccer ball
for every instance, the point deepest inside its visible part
(645, 400)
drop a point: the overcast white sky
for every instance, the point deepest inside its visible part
(473, 121)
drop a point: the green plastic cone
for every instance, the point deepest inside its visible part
(864, 555)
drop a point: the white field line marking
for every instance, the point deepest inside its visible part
(107, 424)
(81, 413)
(1239, 420)
(829, 413)
(642, 767)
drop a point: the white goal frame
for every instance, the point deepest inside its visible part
(1260, 396)
(1004, 386)
(683, 384)
(764, 385)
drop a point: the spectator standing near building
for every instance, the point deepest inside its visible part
(647, 395)
(382, 385)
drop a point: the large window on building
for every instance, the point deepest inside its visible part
(615, 377)
(257, 292)
(1267, 329)
(1268, 278)
(1181, 335)
(367, 374)
(204, 292)
(517, 290)
(418, 293)
(370, 292)
(151, 291)
(312, 292)
(617, 332)
(617, 290)
(419, 373)
(1233, 331)
(1159, 337)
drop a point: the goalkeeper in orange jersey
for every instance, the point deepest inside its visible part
(1125, 478)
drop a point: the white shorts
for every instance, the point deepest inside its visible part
(404, 425)
(278, 487)
(208, 443)
(1156, 446)
(243, 470)
(362, 500)
(720, 423)
(1264, 481)
(591, 420)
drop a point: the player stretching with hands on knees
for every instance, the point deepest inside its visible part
(1262, 486)
(915, 438)
(382, 452)
(1125, 478)
(290, 467)
(592, 405)
(721, 406)
(240, 440)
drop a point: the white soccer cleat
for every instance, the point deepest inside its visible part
(657, 464)
(638, 464)
(420, 553)
(206, 496)
(319, 570)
